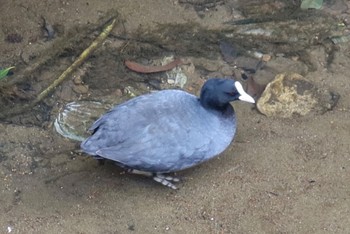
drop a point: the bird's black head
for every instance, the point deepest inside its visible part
(218, 93)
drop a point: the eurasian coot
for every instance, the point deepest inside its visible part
(169, 130)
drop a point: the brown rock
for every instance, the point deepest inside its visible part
(291, 94)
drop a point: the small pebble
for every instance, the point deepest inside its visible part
(295, 58)
(266, 57)
(77, 80)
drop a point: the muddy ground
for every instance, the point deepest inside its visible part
(278, 176)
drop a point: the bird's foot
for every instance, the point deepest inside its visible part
(166, 180)
(158, 177)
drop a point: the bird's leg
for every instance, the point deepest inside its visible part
(158, 177)
(101, 161)
(138, 172)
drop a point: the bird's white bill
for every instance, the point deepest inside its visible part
(243, 95)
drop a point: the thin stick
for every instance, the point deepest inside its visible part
(83, 56)
(86, 53)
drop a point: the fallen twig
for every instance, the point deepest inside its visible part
(83, 56)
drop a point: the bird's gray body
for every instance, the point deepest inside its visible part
(161, 132)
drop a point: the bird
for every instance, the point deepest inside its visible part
(169, 130)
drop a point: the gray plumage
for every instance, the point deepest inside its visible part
(167, 131)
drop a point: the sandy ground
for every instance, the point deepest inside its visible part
(278, 176)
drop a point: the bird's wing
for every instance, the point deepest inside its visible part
(151, 133)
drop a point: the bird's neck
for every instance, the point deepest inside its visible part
(212, 105)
